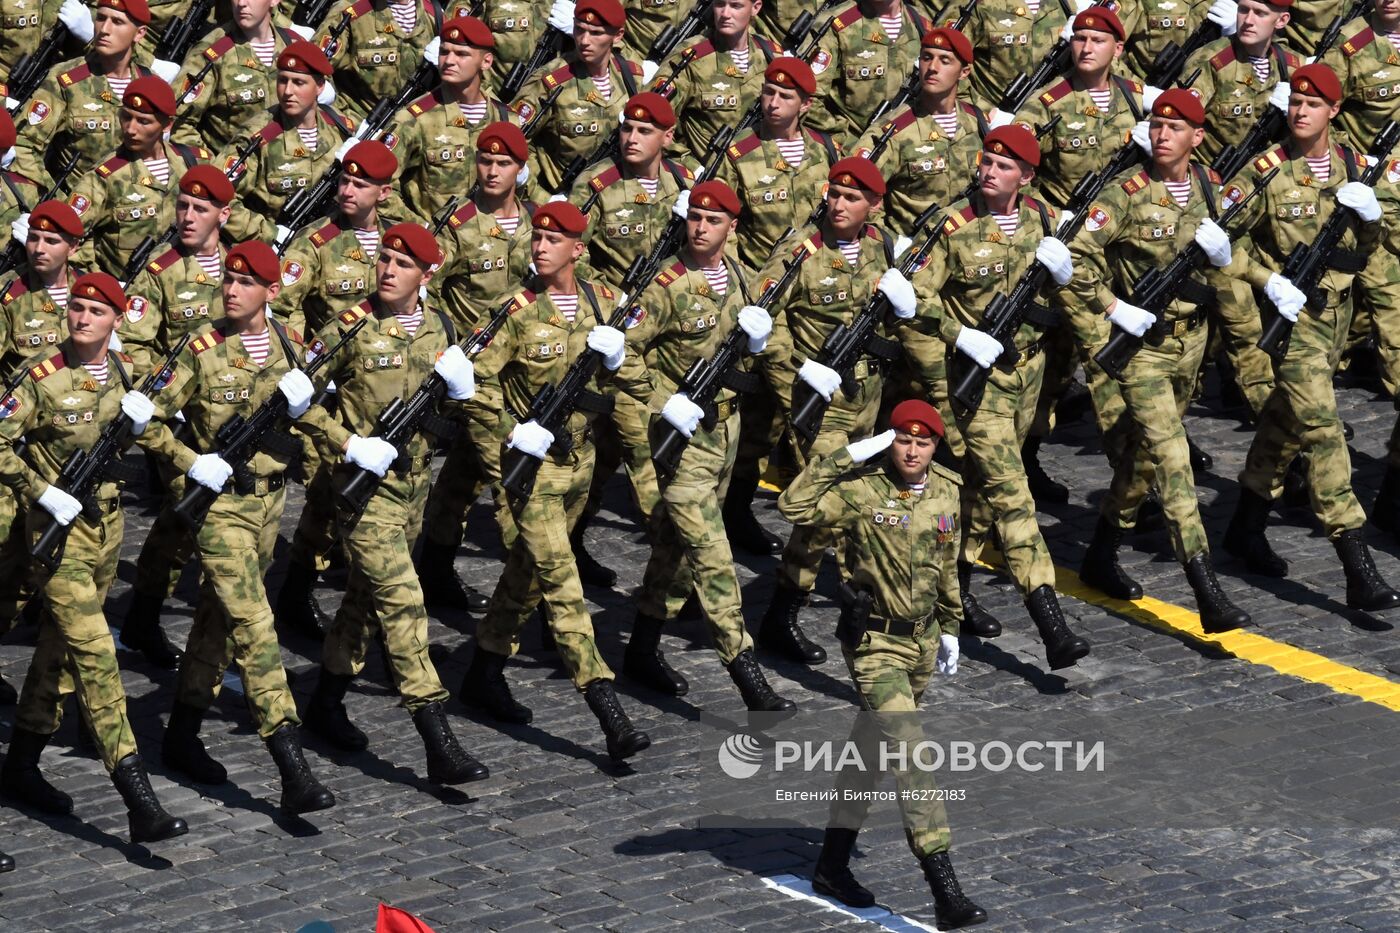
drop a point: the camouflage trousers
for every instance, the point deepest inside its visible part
(994, 435)
(1090, 332)
(473, 462)
(383, 589)
(890, 674)
(233, 621)
(75, 641)
(541, 565)
(621, 439)
(315, 534)
(1236, 320)
(1301, 416)
(690, 551)
(760, 429)
(169, 546)
(1157, 390)
(15, 587)
(1375, 291)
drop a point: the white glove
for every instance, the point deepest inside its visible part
(1149, 96)
(1360, 198)
(1067, 33)
(430, 51)
(296, 386)
(532, 440)
(139, 409)
(901, 244)
(1225, 14)
(1054, 256)
(1215, 241)
(1066, 217)
(649, 69)
(1286, 297)
(363, 130)
(1142, 136)
(522, 177)
(609, 343)
(326, 95)
(63, 507)
(457, 371)
(345, 148)
(997, 119)
(306, 32)
(7, 158)
(283, 235)
(683, 414)
(78, 18)
(19, 228)
(1278, 99)
(11, 104)
(980, 346)
(862, 451)
(371, 453)
(897, 289)
(1131, 318)
(758, 324)
(682, 206)
(948, 654)
(822, 378)
(556, 198)
(210, 471)
(166, 71)
(561, 16)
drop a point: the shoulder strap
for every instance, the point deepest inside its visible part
(983, 127)
(116, 363)
(1349, 160)
(737, 273)
(1040, 208)
(1126, 88)
(1280, 59)
(628, 81)
(282, 338)
(678, 172)
(587, 288)
(447, 326)
(1207, 186)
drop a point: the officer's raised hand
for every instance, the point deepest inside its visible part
(861, 451)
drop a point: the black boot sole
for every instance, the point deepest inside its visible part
(969, 919)
(175, 827)
(860, 899)
(629, 745)
(1386, 601)
(1222, 626)
(317, 800)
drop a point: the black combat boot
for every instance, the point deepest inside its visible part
(1245, 539)
(448, 762)
(1062, 647)
(1201, 462)
(1150, 516)
(780, 632)
(325, 713)
(589, 570)
(744, 531)
(142, 632)
(951, 907)
(145, 816)
(442, 586)
(182, 751)
(1297, 492)
(753, 686)
(1385, 513)
(1217, 613)
(1043, 488)
(976, 620)
(1101, 569)
(833, 875)
(297, 609)
(8, 695)
(7, 862)
(301, 792)
(645, 663)
(1365, 587)
(22, 781)
(485, 688)
(624, 739)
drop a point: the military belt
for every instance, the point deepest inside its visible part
(258, 485)
(899, 628)
(1024, 356)
(406, 466)
(1175, 328)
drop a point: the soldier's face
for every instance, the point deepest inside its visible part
(356, 196)
(642, 142)
(196, 220)
(140, 131)
(594, 43)
(1000, 176)
(113, 33)
(551, 251)
(940, 70)
(732, 17)
(399, 276)
(1094, 51)
(911, 455)
(296, 93)
(91, 322)
(250, 13)
(461, 64)
(1173, 140)
(782, 105)
(707, 231)
(847, 208)
(48, 251)
(496, 173)
(1308, 115)
(1257, 21)
(245, 296)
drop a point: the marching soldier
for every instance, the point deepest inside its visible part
(232, 369)
(687, 311)
(899, 623)
(1301, 413)
(1363, 58)
(1137, 225)
(75, 109)
(25, 24)
(34, 298)
(1167, 22)
(517, 26)
(550, 326)
(75, 638)
(864, 58)
(402, 341)
(988, 242)
(18, 192)
(379, 47)
(646, 20)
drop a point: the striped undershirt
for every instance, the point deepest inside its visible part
(258, 345)
(1260, 66)
(59, 294)
(850, 249)
(891, 24)
(212, 264)
(1007, 222)
(405, 14)
(473, 113)
(159, 169)
(947, 123)
(265, 50)
(793, 150)
(308, 136)
(369, 240)
(918, 488)
(717, 277)
(1321, 167)
(1180, 191)
(740, 57)
(509, 224)
(1033, 6)
(118, 86)
(1394, 38)
(604, 85)
(98, 370)
(567, 305)
(649, 185)
(411, 322)
(1102, 98)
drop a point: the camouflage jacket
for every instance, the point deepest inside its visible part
(1233, 96)
(859, 68)
(710, 91)
(374, 58)
(325, 272)
(482, 261)
(1369, 68)
(172, 296)
(624, 221)
(31, 322)
(234, 94)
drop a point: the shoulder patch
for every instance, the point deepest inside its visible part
(360, 9)
(1054, 92)
(1358, 42)
(423, 104)
(901, 121)
(164, 261)
(72, 77)
(522, 301)
(740, 148)
(47, 368)
(463, 214)
(324, 235)
(206, 341)
(680, 168)
(1136, 183)
(1222, 58)
(111, 165)
(604, 180)
(872, 232)
(1270, 160)
(808, 246)
(634, 67)
(959, 219)
(848, 17)
(667, 276)
(702, 49)
(1292, 59)
(1214, 176)
(604, 291)
(16, 288)
(219, 48)
(558, 76)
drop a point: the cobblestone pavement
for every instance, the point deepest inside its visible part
(560, 837)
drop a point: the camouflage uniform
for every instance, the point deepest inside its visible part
(517, 26)
(23, 24)
(31, 322)
(711, 92)
(1308, 19)
(374, 57)
(647, 19)
(10, 206)
(1008, 40)
(904, 550)
(1163, 21)
(859, 68)
(74, 110)
(214, 379)
(233, 96)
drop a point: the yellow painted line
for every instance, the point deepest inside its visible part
(1243, 644)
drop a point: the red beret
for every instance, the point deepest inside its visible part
(1101, 19)
(789, 71)
(1014, 140)
(136, 10)
(652, 108)
(1317, 80)
(468, 30)
(255, 258)
(1179, 104)
(561, 217)
(600, 13)
(946, 37)
(150, 95)
(715, 196)
(916, 417)
(504, 138)
(415, 240)
(56, 217)
(99, 286)
(855, 172)
(371, 160)
(7, 130)
(205, 181)
(304, 57)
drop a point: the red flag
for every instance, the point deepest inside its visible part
(393, 920)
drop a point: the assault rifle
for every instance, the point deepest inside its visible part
(184, 31)
(1167, 66)
(672, 36)
(29, 73)
(545, 52)
(1055, 62)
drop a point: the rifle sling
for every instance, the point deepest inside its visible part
(883, 349)
(1041, 316)
(742, 382)
(594, 402)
